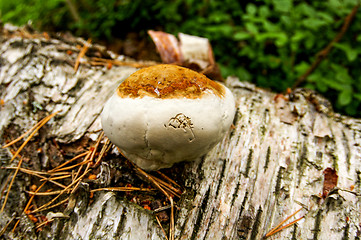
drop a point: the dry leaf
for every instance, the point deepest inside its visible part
(167, 46)
(330, 180)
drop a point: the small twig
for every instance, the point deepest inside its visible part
(43, 193)
(122, 189)
(324, 52)
(82, 53)
(161, 209)
(75, 187)
(53, 200)
(11, 184)
(161, 227)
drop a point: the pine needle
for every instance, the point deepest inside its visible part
(168, 179)
(96, 146)
(283, 227)
(82, 53)
(279, 228)
(5, 185)
(56, 178)
(69, 161)
(36, 129)
(6, 226)
(61, 193)
(169, 187)
(32, 197)
(38, 174)
(152, 180)
(11, 184)
(29, 171)
(72, 166)
(106, 147)
(23, 135)
(44, 223)
(16, 224)
(56, 204)
(165, 235)
(28, 205)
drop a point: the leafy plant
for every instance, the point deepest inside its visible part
(269, 42)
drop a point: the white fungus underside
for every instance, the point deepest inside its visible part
(149, 131)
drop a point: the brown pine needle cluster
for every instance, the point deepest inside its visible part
(279, 227)
(168, 190)
(113, 62)
(64, 179)
(82, 54)
(95, 61)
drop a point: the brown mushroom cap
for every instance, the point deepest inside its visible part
(168, 81)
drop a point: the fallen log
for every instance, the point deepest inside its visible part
(284, 153)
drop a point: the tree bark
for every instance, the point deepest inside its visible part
(274, 161)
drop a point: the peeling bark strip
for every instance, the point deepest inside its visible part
(263, 171)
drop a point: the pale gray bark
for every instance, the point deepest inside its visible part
(265, 169)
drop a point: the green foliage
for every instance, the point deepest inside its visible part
(268, 42)
(42, 13)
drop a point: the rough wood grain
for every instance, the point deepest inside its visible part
(265, 169)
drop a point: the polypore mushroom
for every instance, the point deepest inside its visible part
(165, 114)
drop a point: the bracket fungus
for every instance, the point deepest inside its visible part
(166, 114)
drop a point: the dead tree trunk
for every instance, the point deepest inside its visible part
(279, 156)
